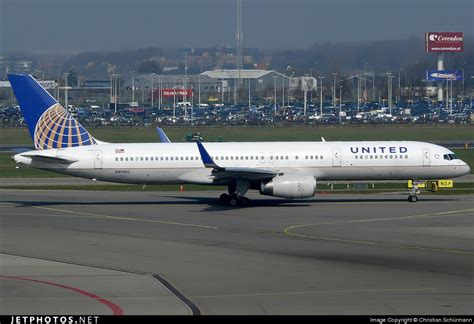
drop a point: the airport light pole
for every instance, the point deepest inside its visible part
(334, 90)
(152, 88)
(133, 85)
(373, 85)
(111, 83)
(174, 97)
(365, 81)
(399, 86)
(340, 103)
(275, 95)
(248, 80)
(321, 96)
(160, 94)
(184, 97)
(283, 91)
(65, 89)
(222, 91)
(389, 92)
(199, 90)
(305, 93)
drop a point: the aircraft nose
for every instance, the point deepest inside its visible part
(466, 167)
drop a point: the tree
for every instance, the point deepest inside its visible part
(149, 66)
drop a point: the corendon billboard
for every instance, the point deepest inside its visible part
(170, 93)
(444, 42)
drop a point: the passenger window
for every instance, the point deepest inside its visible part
(121, 159)
(116, 159)
(321, 157)
(296, 157)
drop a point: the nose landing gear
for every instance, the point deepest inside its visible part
(412, 197)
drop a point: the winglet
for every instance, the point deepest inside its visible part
(162, 135)
(206, 158)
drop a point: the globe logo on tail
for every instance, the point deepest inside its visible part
(56, 128)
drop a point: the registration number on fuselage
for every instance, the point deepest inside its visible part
(122, 171)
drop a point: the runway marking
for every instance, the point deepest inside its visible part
(432, 215)
(320, 292)
(287, 231)
(99, 216)
(116, 310)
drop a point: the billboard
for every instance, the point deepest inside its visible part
(441, 75)
(444, 41)
(170, 93)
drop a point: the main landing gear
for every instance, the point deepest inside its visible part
(236, 197)
(412, 197)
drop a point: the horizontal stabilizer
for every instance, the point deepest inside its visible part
(49, 158)
(19, 150)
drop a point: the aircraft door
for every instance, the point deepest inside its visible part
(97, 159)
(426, 157)
(336, 157)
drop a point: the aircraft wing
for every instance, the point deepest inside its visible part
(244, 173)
(162, 135)
(234, 172)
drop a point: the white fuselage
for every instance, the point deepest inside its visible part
(326, 161)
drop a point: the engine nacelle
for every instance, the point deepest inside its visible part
(290, 185)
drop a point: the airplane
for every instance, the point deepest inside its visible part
(281, 169)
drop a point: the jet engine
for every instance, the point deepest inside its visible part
(289, 186)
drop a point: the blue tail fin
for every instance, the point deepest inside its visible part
(50, 125)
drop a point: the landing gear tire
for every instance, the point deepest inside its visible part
(233, 201)
(244, 201)
(224, 198)
(412, 198)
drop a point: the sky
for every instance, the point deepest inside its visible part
(71, 26)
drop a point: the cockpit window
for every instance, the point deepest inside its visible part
(450, 157)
